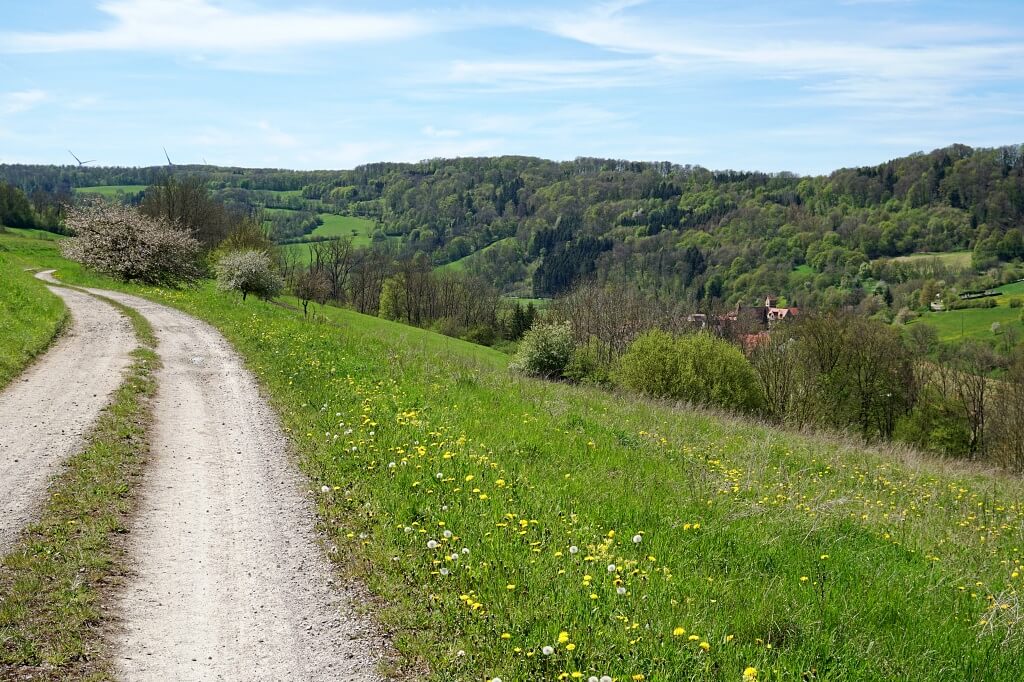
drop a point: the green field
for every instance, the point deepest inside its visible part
(460, 264)
(360, 229)
(976, 323)
(111, 191)
(32, 234)
(957, 260)
(457, 493)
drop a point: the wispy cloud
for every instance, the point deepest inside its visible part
(204, 27)
(860, 64)
(17, 102)
(532, 75)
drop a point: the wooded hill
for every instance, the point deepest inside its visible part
(537, 227)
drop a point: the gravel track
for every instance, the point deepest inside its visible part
(228, 580)
(46, 412)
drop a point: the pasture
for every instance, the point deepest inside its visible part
(955, 260)
(976, 323)
(111, 191)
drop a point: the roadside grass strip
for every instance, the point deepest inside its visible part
(54, 585)
(31, 318)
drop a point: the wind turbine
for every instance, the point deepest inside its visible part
(167, 157)
(80, 162)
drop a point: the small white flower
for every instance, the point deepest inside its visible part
(391, 465)
(348, 432)
(637, 538)
(363, 536)
(444, 571)
(548, 650)
(373, 433)
(465, 550)
(574, 549)
(447, 533)
(408, 529)
(460, 653)
(611, 568)
(439, 475)
(455, 556)
(593, 678)
(444, 507)
(325, 489)
(606, 678)
(620, 590)
(498, 679)
(431, 544)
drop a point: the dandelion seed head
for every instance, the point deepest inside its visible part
(547, 650)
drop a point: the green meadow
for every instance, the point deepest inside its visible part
(527, 530)
(976, 323)
(957, 260)
(30, 315)
(111, 191)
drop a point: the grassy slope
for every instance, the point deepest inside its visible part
(111, 191)
(360, 229)
(960, 260)
(976, 323)
(460, 264)
(31, 316)
(786, 553)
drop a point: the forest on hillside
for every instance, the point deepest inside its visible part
(538, 228)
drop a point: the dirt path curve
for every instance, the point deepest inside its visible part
(229, 581)
(47, 410)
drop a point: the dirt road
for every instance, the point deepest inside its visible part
(229, 580)
(46, 411)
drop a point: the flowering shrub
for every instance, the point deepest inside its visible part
(248, 272)
(119, 241)
(545, 350)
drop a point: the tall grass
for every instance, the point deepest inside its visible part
(30, 317)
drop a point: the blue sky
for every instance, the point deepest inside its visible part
(803, 85)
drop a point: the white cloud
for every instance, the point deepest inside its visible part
(517, 76)
(431, 131)
(853, 64)
(275, 137)
(17, 102)
(204, 27)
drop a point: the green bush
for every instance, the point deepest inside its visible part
(586, 365)
(544, 351)
(699, 368)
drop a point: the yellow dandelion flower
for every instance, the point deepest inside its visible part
(705, 646)
(749, 674)
(563, 637)
(679, 632)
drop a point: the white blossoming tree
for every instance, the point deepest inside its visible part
(249, 272)
(119, 241)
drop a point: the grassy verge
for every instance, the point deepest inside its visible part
(53, 584)
(32, 317)
(706, 545)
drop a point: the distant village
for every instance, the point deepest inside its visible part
(749, 324)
